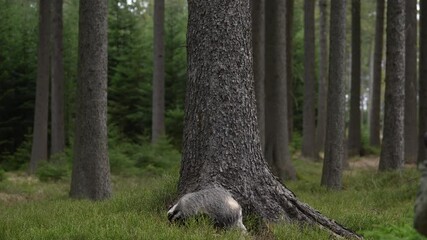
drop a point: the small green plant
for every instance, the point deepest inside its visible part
(20, 158)
(48, 171)
(296, 141)
(2, 174)
(367, 148)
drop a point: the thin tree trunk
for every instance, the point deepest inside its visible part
(410, 117)
(374, 121)
(91, 170)
(392, 146)
(57, 95)
(221, 138)
(422, 153)
(39, 146)
(276, 117)
(323, 77)
(289, 64)
(258, 46)
(158, 123)
(420, 218)
(334, 144)
(309, 121)
(354, 133)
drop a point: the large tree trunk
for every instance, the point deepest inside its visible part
(221, 138)
(289, 64)
(411, 129)
(39, 146)
(276, 114)
(422, 127)
(334, 143)
(158, 117)
(323, 77)
(354, 131)
(309, 121)
(374, 116)
(392, 146)
(258, 46)
(91, 170)
(57, 95)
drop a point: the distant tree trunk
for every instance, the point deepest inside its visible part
(422, 128)
(334, 143)
(41, 111)
(420, 218)
(91, 170)
(309, 121)
(354, 131)
(158, 122)
(323, 76)
(374, 121)
(289, 64)
(57, 95)
(276, 116)
(221, 138)
(410, 116)
(392, 146)
(258, 46)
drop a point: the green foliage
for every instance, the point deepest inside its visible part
(20, 158)
(2, 174)
(130, 66)
(158, 157)
(174, 121)
(18, 41)
(140, 158)
(57, 168)
(296, 141)
(367, 148)
(48, 171)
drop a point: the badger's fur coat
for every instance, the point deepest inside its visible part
(216, 202)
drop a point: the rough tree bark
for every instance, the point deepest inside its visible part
(309, 121)
(323, 76)
(258, 46)
(276, 114)
(39, 146)
(420, 218)
(411, 129)
(422, 121)
(57, 86)
(354, 129)
(374, 116)
(91, 170)
(392, 145)
(289, 64)
(334, 143)
(158, 116)
(221, 138)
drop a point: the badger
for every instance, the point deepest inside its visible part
(216, 202)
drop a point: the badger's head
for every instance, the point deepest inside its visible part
(174, 213)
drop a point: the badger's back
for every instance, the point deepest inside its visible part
(215, 202)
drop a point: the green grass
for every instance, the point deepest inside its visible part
(379, 206)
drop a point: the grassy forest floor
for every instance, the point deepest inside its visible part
(376, 205)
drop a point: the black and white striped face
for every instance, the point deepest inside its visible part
(174, 214)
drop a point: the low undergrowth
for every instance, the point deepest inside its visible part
(376, 205)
